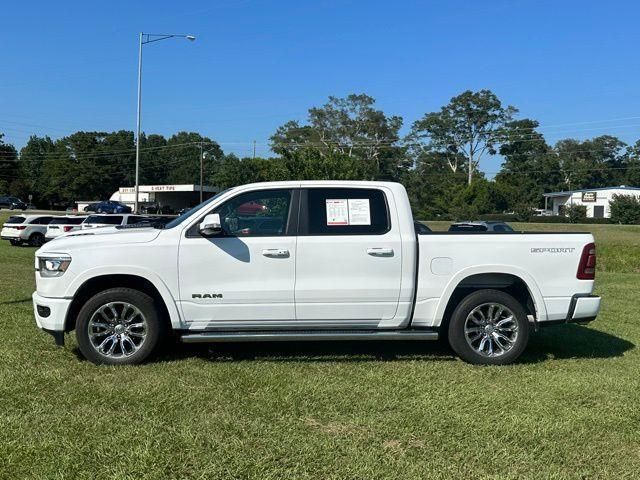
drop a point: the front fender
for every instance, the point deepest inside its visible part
(150, 275)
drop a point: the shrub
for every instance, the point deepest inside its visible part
(499, 217)
(625, 209)
(557, 219)
(576, 213)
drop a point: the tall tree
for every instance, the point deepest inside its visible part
(530, 166)
(349, 127)
(181, 157)
(471, 124)
(9, 169)
(597, 162)
(152, 170)
(32, 158)
(632, 165)
(88, 166)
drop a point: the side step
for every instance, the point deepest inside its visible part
(308, 335)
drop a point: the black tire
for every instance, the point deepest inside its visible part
(155, 326)
(478, 301)
(99, 210)
(36, 240)
(15, 243)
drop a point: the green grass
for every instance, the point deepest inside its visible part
(568, 409)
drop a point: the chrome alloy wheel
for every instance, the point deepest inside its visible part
(491, 329)
(117, 329)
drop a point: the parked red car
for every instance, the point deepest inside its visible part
(251, 208)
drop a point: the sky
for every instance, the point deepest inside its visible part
(256, 64)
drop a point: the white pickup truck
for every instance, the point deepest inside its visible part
(312, 260)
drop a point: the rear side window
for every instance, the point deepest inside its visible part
(67, 221)
(136, 219)
(41, 221)
(15, 220)
(346, 211)
(502, 228)
(105, 219)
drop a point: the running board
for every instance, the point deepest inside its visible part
(308, 335)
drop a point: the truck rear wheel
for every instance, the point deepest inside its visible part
(489, 327)
(119, 326)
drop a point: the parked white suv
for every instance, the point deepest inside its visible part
(111, 220)
(309, 261)
(29, 229)
(61, 225)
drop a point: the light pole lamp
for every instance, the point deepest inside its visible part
(144, 39)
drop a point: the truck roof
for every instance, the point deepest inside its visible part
(307, 183)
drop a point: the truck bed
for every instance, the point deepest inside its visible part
(546, 262)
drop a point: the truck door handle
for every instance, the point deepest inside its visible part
(276, 252)
(380, 252)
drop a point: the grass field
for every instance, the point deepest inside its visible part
(568, 409)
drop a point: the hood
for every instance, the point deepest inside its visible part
(99, 237)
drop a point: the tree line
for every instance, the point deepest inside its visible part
(345, 139)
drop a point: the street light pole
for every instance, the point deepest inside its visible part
(144, 39)
(135, 209)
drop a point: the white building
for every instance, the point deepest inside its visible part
(175, 196)
(595, 199)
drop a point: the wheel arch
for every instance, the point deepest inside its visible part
(99, 283)
(516, 283)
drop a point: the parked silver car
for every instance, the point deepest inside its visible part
(481, 226)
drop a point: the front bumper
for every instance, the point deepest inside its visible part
(50, 313)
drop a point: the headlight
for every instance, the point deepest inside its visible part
(54, 265)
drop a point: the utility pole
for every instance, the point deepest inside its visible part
(254, 149)
(201, 169)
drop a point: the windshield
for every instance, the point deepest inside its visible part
(178, 220)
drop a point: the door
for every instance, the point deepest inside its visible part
(598, 211)
(243, 277)
(349, 258)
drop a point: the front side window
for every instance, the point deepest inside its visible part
(347, 211)
(260, 213)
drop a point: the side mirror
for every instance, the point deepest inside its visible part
(210, 225)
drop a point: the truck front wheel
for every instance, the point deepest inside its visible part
(119, 326)
(489, 327)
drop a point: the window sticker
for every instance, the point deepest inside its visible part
(359, 211)
(337, 212)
